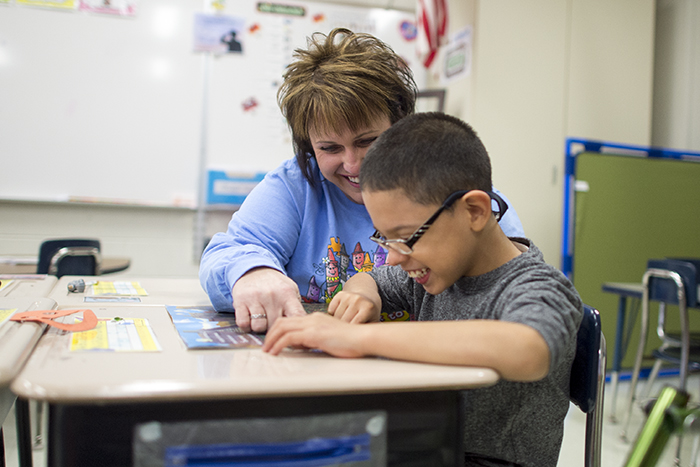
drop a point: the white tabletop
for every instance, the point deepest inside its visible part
(55, 374)
(161, 291)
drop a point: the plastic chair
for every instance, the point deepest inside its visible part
(667, 291)
(587, 381)
(675, 282)
(69, 256)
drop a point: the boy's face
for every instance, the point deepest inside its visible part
(442, 255)
(339, 156)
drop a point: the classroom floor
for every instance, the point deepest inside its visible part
(614, 449)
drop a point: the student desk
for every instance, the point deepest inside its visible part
(18, 264)
(26, 285)
(161, 291)
(28, 265)
(97, 400)
(625, 291)
(19, 293)
(16, 344)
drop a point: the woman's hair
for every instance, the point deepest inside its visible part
(429, 156)
(341, 81)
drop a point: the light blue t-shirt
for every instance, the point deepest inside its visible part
(315, 235)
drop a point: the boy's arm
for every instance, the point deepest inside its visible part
(358, 302)
(516, 351)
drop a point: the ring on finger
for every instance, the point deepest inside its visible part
(259, 316)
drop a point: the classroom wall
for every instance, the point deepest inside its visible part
(676, 116)
(548, 69)
(157, 240)
(145, 149)
(535, 80)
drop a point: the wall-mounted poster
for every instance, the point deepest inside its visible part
(61, 4)
(458, 56)
(218, 33)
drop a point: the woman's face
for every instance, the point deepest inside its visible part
(339, 156)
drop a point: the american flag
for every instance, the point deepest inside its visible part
(431, 16)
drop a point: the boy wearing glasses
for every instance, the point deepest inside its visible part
(476, 297)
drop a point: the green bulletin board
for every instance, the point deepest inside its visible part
(628, 209)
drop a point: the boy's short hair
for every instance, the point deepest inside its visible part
(429, 156)
(343, 80)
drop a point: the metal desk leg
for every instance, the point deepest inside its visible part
(617, 355)
(24, 436)
(38, 436)
(643, 332)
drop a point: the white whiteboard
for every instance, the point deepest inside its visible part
(112, 108)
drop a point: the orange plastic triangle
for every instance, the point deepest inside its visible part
(48, 316)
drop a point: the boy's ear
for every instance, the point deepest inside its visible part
(478, 205)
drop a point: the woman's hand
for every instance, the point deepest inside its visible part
(261, 296)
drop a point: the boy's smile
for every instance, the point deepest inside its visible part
(420, 275)
(440, 256)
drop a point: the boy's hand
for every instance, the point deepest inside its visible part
(314, 331)
(353, 308)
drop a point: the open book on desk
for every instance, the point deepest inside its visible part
(205, 328)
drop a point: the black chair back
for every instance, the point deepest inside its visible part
(587, 381)
(666, 290)
(69, 256)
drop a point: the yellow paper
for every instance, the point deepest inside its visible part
(147, 339)
(117, 335)
(118, 288)
(62, 4)
(94, 339)
(5, 313)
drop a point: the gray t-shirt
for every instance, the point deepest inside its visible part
(517, 422)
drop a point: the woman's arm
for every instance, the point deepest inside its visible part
(263, 233)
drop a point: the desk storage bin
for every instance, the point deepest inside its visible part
(422, 429)
(355, 439)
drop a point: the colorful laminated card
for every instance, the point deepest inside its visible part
(204, 328)
(117, 335)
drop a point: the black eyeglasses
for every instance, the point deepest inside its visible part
(405, 246)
